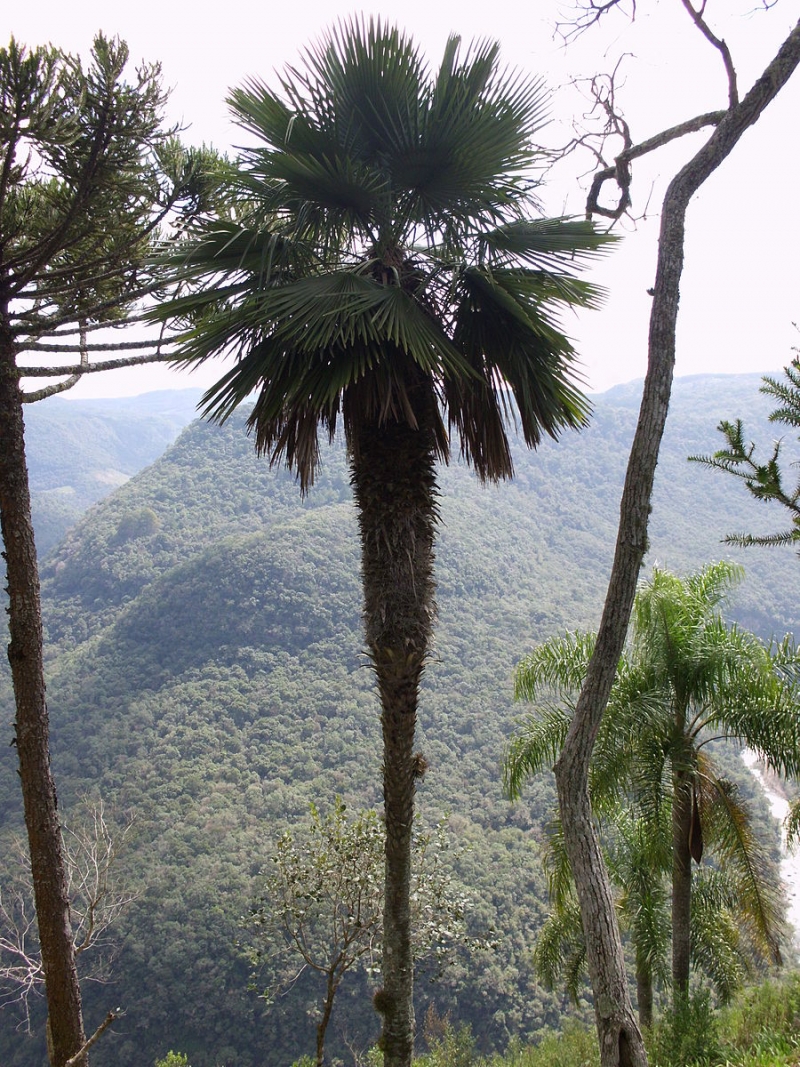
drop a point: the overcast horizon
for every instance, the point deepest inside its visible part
(739, 291)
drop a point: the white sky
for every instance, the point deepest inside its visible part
(739, 288)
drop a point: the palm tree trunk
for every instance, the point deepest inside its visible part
(25, 655)
(644, 993)
(395, 491)
(681, 886)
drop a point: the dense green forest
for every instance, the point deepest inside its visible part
(81, 451)
(203, 636)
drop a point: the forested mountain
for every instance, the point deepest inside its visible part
(81, 450)
(205, 675)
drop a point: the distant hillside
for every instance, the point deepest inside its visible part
(203, 627)
(81, 450)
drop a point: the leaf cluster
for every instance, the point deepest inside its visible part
(765, 480)
(382, 234)
(88, 175)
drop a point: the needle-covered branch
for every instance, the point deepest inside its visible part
(764, 479)
(90, 178)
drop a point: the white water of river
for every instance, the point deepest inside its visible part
(790, 862)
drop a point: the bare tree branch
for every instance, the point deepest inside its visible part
(77, 371)
(620, 172)
(697, 16)
(92, 849)
(101, 1029)
(588, 14)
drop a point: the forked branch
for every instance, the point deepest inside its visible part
(91, 850)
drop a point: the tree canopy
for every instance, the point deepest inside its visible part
(379, 264)
(687, 678)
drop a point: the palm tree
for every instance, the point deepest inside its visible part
(688, 678)
(732, 929)
(379, 267)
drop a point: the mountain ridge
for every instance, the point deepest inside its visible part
(205, 671)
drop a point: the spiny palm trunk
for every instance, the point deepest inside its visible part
(681, 887)
(25, 655)
(395, 491)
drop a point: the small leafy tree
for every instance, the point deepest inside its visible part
(322, 905)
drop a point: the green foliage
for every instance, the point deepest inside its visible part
(219, 732)
(389, 210)
(685, 675)
(90, 173)
(174, 1059)
(322, 904)
(573, 1046)
(687, 1036)
(764, 480)
(767, 1011)
(448, 1046)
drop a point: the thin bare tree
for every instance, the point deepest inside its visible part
(621, 1043)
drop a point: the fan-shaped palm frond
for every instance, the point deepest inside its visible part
(379, 267)
(418, 187)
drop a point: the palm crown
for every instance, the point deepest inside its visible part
(378, 266)
(379, 233)
(688, 678)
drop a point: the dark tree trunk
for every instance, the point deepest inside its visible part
(25, 655)
(644, 993)
(322, 1027)
(394, 483)
(681, 885)
(619, 1036)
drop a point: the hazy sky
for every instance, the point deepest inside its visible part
(740, 285)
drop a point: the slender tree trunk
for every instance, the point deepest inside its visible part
(394, 483)
(644, 993)
(25, 655)
(330, 992)
(681, 886)
(619, 1036)
(621, 1042)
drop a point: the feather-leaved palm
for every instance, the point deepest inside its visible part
(687, 677)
